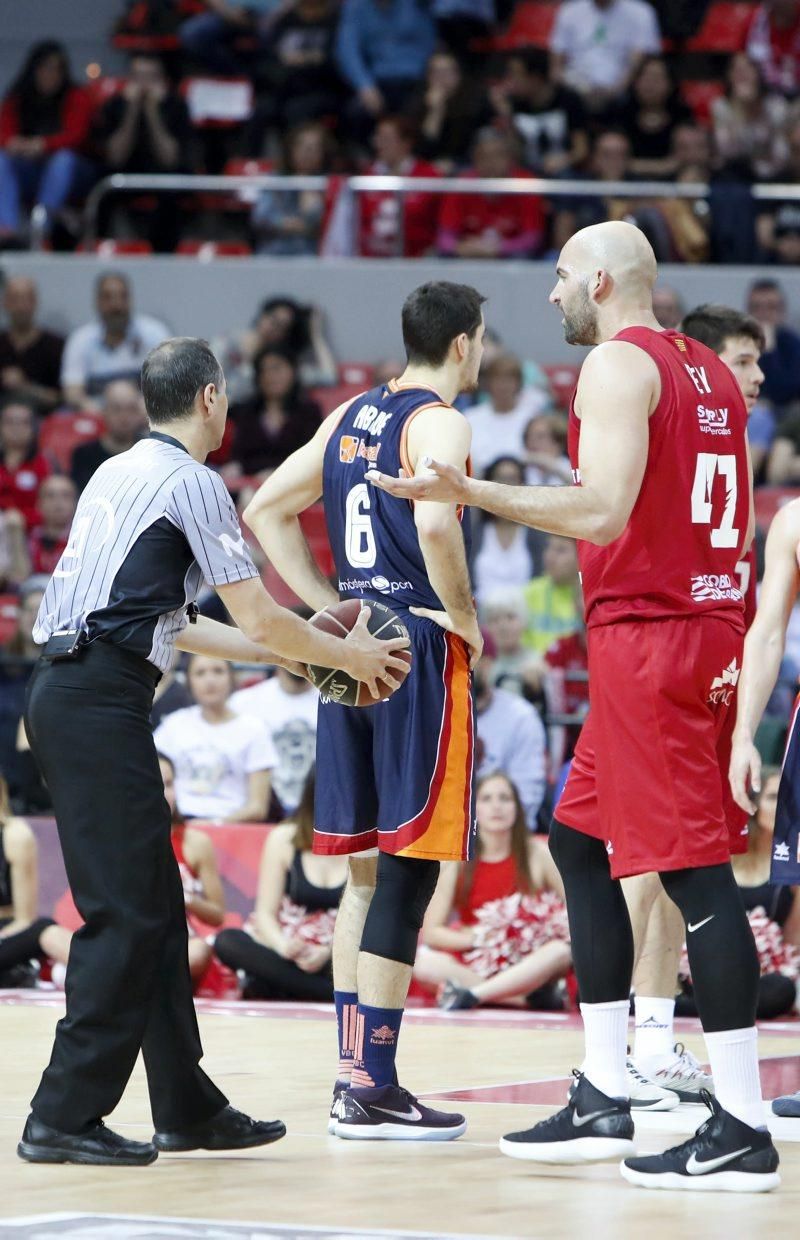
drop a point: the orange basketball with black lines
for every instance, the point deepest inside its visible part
(338, 619)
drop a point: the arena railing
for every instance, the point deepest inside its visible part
(400, 186)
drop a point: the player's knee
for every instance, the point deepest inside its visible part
(574, 852)
(362, 873)
(403, 892)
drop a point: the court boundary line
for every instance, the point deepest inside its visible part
(315, 1228)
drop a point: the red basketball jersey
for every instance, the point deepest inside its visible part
(679, 551)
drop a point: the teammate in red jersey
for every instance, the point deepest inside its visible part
(662, 511)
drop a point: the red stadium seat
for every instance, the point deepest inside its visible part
(329, 398)
(562, 380)
(699, 96)
(207, 250)
(248, 167)
(315, 528)
(531, 26)
(107, 247)
(724, 30)
(62, 432)
(9, 606)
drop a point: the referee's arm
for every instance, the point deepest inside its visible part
(222, 641)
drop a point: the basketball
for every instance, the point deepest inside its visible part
(338, 619)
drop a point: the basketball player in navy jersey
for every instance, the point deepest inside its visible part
(394, 781)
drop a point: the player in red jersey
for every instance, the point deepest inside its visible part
(662, 511)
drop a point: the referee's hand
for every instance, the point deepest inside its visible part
(370, 659)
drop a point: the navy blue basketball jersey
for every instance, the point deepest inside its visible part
(372, 535)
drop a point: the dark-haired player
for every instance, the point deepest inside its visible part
(394, 781)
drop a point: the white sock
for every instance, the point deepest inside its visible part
(605, 1028)
(733, 1055)
(654, 1036)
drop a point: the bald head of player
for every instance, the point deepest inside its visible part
(183, 387)
(605, 283)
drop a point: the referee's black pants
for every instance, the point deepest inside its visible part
(128, 985)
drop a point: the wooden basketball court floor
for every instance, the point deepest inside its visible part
(503, 1069)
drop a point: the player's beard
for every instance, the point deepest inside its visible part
(580, 321)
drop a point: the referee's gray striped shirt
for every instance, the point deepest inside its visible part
(150, 527)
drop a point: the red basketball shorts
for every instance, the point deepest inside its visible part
(650, 771)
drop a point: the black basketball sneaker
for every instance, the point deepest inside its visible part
(339, 1089)
(591, 1128)
(724, 1155)
(391, 1113)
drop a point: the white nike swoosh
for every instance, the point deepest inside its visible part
(413, 1114)
(580, 1120)
(692, 928)
(694, 1167)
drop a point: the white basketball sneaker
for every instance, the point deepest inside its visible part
(680, 1073)
(644, 1094)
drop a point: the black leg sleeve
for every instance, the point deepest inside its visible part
(280, 979)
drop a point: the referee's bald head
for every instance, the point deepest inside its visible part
(174, 374)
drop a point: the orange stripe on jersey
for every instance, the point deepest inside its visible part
(339, 414)
(394, 385)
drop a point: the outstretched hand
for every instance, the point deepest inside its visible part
(444, 485)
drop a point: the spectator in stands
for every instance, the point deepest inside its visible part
(171, 693)
(597, 46)
(553, 599)
(287, 706)
(773, 42)
(546, 460)
(505, 554)
(498, 423)
(688, 221)
(202, 887)
(783, 462)
(280, 323)
(144, 128)
(511, 739)
(57, 500)
(285, 949)
(667, 306)
(14, 561)
(125, 423)
(778, 220)
(780, 360)
(459, 23)
(222, 760)
(382, 48)
(551, 119)
(15, 669)
(650, 113)
(112, 346)
(24, 937)
(44, 124)
(512, 878)
(278, 420)
(750, 121)
(496, 225)
(22, 465)
(610, 160)
(566, 690)
(515, 667)
(30, 356)
(210, 38)
(446, 111)
(303, 81)
(288, 222)
(390, 226)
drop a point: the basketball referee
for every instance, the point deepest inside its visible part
(151, 526)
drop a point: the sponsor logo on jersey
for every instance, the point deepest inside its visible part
(780, 852)
(713, 421)
(382, 584)
(369, 451)
(680, 344)
(348, 447)
(709, 586)
(722, 687)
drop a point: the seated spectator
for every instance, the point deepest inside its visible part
(304, 84)
(381, 52)
(780, 360)
(511, 739)
(505, 554)
(144, 128)
(459, 23)
(278, 420)
(222, 760)
(57, 501)
(778, 220)
(30, 356)
(390, 226)
(112, 346)
(477, 958)
(24, 937)
(498, 424)
(550, 119)
(750, 122)
(289, 222)
(649, 116)
(515, 667)
(667, 306)
(22, 466)
(202, 887)
(125, 423)
(280, 323)
(446, 111)
(688, 221)
(545, 455)
(553, 598)
(44, 124)
(19, 657)
(492, 225)
(211, 37)
(566, 690)
(773, 42)
(772, 910)
(287, 706)
(14, 562)
(285, 949)
(610, 160)
(597, 45)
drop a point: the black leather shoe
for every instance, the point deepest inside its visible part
(98, 1146)
(229, 1129)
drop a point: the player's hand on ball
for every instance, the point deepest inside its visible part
(370, 659)
(745, 766)
(468, 629)
(444, 484)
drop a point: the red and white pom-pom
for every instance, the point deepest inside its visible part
(508, 930)
(775, 955)
(313, 928)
